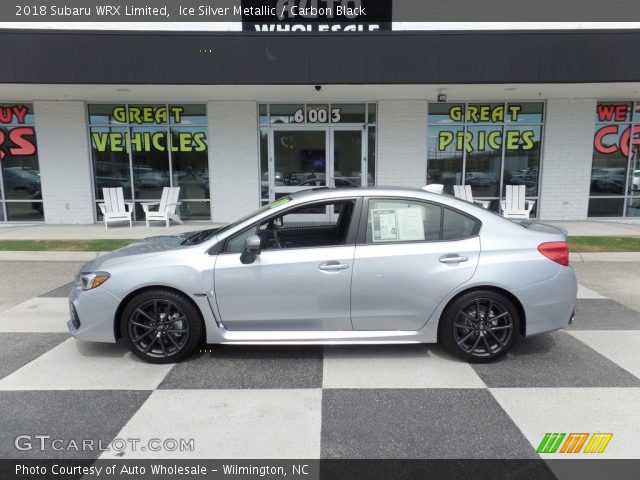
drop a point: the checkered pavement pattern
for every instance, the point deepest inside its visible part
(412, 401)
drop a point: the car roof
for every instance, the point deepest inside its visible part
(360, 191)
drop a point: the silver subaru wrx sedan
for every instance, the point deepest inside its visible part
(334, 266)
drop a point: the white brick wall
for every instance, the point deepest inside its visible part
(65, 164)
(233, 159)
(402, 142)
(566, 159)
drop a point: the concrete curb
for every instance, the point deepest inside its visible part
(51, 256)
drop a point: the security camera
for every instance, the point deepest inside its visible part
(318, 88)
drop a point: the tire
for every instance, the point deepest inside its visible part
(161, 326)
(480, 341)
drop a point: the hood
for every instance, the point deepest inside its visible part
(145, 248)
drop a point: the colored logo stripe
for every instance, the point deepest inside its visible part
(574, 443)
(550, 442)
(598, 442)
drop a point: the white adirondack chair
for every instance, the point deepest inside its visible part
(166, 207)
(114, 208)
(463, 192)
(434, 188)
(515, 206)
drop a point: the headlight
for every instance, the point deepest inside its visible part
(90, 280)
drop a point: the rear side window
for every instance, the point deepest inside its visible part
(390, 220)
(456, 226)
(402, 221)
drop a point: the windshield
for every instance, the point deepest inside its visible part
(205, 235)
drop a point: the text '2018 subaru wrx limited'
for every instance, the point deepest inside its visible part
(334, 266)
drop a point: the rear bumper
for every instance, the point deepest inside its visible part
(549, 305)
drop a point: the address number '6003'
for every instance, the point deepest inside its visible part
(317, 115)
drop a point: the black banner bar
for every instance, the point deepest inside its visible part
(314, 11)
(435, 469)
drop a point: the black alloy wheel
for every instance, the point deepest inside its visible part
(480, 326)
(161, 326)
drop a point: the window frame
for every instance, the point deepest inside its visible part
(364, 220)
(352, 233)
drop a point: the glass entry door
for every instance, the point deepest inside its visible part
(303, 158)
(348, 159)
(298, 160)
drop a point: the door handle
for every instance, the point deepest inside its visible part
(453, 258)
(333, 266)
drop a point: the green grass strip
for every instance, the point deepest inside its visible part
(64, 245)
(604, 244)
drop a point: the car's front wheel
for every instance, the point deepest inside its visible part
(480, 326)
(161, 326)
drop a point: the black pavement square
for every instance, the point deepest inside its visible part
(68, 415)
(249, 367)
(18, 349)
(604, 314)
(418, 423)
(554, 360)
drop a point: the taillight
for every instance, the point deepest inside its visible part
(556, 251)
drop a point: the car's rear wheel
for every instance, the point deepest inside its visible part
(161, 326)
(480, 326)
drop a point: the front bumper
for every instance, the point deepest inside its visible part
(92, 314)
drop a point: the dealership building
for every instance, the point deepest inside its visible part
(237, 119)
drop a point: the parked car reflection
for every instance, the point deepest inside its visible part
(19, 179)
(608, 180)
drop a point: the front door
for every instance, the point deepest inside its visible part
(300, 281)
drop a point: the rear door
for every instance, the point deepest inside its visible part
(409, 256)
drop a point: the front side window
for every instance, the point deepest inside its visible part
(319, 224)
(391, 221)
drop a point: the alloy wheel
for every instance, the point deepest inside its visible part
(483, 327)
(158, 328)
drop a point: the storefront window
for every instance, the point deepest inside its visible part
(615, 171)
(485, 145)
(144, 148)
(20, 186)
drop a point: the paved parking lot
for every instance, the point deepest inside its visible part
(313, 402)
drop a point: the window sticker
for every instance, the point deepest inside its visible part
(384, 224)
(410, 224)
(397, 224)
(279, 202)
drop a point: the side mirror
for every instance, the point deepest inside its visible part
(251, 249)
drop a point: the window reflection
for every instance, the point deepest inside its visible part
(615, 172)
(486, 146)
(445, 158)
(20, 186)
(157, 146)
